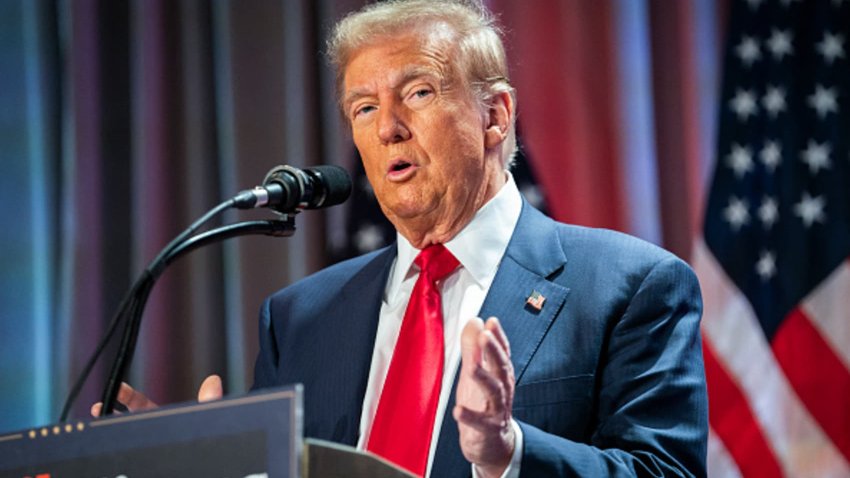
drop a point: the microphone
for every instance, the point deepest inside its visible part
(285, 189)
(288, 189)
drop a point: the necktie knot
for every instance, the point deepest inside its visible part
(436, 262)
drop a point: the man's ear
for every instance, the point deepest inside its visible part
(499, 113)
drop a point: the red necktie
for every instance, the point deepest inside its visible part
(404, 421)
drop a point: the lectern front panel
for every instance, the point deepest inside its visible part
(255, 436)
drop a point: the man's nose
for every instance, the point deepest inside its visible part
(391, 126)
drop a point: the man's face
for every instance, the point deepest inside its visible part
(421, 136)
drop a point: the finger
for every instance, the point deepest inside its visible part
(479, 421)
(491, 387)
(495, 327)
(134, 400)
(211, 389)
(496, 360)
(125, 393)
(97, 408)
(500, 366)
(469, 349)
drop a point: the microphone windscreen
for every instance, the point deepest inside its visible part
(337, 183)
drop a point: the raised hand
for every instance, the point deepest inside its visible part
(485, 393)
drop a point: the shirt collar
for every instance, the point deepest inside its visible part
(478, 247)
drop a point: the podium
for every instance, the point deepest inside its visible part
(258, 435)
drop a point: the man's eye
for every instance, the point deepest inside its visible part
(363, 110)
(422, 93)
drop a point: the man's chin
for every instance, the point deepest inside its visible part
(405, 202)
(410, 213)
(404, 212)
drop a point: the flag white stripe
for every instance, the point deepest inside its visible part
(828, 308)
(720, 463)
(730, 325)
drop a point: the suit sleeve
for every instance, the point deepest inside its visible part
(651, 411)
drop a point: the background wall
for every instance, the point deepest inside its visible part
(122, 121)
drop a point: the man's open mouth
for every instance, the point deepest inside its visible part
(399, 166)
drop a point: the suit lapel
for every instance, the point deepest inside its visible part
(534, 254)
(350, 351)
(524, 325)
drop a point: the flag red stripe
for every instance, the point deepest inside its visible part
(817, 375)
(734, 422)
(827, 306)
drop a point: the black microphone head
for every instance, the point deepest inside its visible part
(289, 189)
(336, 183)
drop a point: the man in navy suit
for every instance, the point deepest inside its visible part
(594, 365)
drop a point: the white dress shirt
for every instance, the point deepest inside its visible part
(479, 248)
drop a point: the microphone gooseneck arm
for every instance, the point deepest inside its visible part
(135, 307)
(175, 250)
(286, 190)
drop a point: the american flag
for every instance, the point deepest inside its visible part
(774, 261)
(367, 229)
(536, 300)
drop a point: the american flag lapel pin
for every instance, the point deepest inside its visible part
(536, 300)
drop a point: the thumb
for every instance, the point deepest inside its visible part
(470, 351)
(211, 389)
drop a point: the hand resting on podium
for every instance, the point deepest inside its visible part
(136, 401)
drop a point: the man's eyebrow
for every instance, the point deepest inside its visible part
(407, 75)
(353, 96)
(417, 71)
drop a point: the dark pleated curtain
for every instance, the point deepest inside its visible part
(122, 121)
(155, 111)
(177, 105)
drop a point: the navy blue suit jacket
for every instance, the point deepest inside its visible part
(610, 378)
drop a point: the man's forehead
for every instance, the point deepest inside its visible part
(393, 66)
(395, 77)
